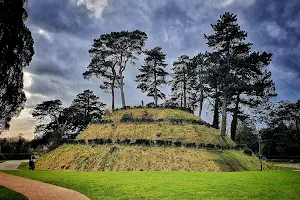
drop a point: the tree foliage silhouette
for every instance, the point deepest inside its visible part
(16, 51)
(153, 74)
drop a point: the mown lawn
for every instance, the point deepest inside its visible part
(174, 185)
(7, 194)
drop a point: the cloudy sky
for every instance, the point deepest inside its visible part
(63, 31)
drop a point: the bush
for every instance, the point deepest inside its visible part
(146, 117)
(15, 156)
(127, 117)
(248, 152)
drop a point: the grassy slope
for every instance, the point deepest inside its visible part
(187, 133)
(175, 185)
(156, 113)
(7, 194)
(135, 158)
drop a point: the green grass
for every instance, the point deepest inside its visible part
(137, 158)
(7, 194)
(175, 185)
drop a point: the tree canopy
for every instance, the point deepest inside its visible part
(16, 51)
(153, 74)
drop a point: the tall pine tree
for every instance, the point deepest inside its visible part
(153, 75)
(181, 83)
(88, 104)
(199, 67)
(226, 40)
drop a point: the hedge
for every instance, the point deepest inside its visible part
(146, 142)
(15, 156)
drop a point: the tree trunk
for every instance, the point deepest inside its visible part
(201, 103)
(216, 111)
(184, 94)
(113, 95)
(121, 85)
(155, 89)
(181, 95)
(224, 115)
(235, 118)
(87, 116)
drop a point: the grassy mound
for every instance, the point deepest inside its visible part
(161, 128)
(134, 158)
(157, 131)
(156, 113)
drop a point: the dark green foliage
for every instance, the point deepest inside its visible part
(66, 122)
(153, 75)
(15, 156)
(127, 117)
(199, 79)
(110, 54)
(182, 94)
(146, 142)
(282, 137)
(249, 152)
(16, 51)
(227, 42)
(85, 107)
(246, 136)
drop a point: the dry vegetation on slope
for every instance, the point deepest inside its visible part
(156, 114)
(156, 131)
(133, 158)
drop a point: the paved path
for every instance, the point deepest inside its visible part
(290, 165)
(36, 190)
(11, 164)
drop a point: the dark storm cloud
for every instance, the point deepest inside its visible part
(64, 31)
(59, 16)
(276, 29)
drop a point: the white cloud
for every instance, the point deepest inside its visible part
(227, 3)
(95, 7)
(274, 30)
(27, 80)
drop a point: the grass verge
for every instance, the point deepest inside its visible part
(174, 185)
(7, 194)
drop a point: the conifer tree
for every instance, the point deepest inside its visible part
(181, 83)
(88, 104)
(226, 41)
(153, 75)
(199, 78)
(116, 50)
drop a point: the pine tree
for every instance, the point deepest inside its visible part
(116, 50)
(153, 75)
(214, 81)
(103, 68)
(253, 86)
(181, 83)
(88, 104)
(199, 78)
(226, 40)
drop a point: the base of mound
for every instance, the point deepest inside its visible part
(136, 158)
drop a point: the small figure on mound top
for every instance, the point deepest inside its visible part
(142, 103)
(31, 164)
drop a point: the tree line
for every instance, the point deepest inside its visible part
(232, 76)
